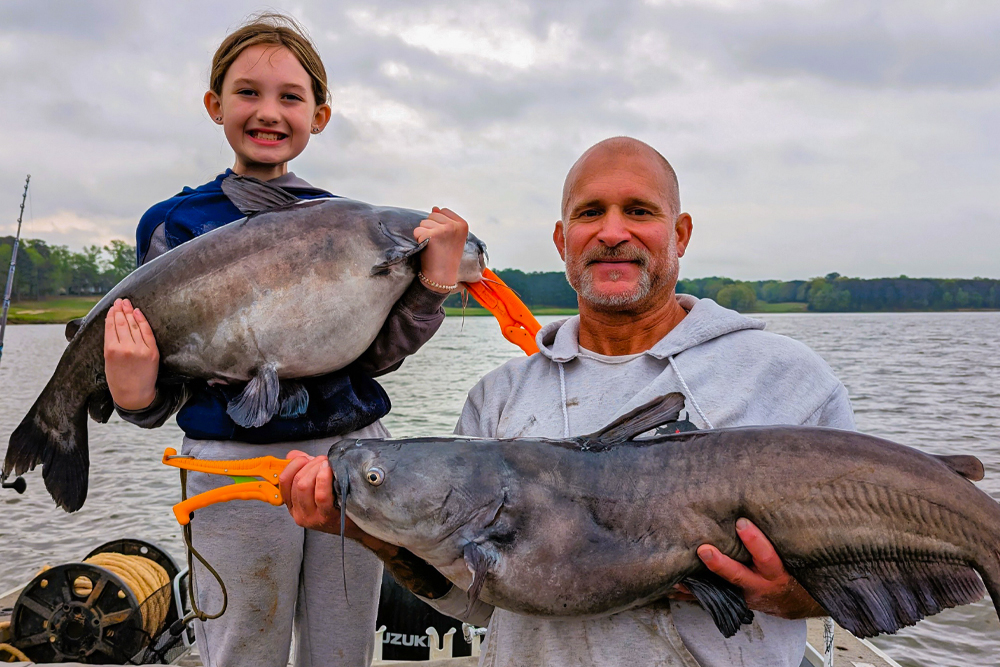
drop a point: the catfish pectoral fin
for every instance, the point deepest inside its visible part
(722, 600)
(871, 598)
(100, 405)
(293, 398)
(397, 254)
(258, 402)
(479, 563)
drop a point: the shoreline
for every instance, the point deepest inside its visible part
(62, 309)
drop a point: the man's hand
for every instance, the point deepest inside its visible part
(131, 358)
(766, 585)
(441, 258)
(307, 489)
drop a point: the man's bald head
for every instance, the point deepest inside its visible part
(625, 147)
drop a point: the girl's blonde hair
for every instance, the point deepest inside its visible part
(276, 29)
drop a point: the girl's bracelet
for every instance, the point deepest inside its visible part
(430, 283)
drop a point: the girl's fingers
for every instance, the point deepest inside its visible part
(133, 326)
(447, 212)
(144, 329)
(110, 331)
(446, 215)
(121, 325)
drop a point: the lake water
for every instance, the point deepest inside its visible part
(930, 380)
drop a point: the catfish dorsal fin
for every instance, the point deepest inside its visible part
(965, 465)
(646, 417)
(252, 195)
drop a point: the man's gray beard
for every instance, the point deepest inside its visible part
(589, 294)
(582, 280)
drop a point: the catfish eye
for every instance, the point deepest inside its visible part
(375, 476)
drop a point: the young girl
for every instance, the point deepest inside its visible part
(269, 93)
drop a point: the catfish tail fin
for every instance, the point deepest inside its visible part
(54, 435)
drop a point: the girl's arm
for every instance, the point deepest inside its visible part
(418, 313)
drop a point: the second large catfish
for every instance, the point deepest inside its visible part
(880, 534)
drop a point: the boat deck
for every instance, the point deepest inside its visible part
(849, 651)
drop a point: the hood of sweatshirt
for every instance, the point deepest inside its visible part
(705, 321)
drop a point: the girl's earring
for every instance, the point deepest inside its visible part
(218, 119)
(315, 130)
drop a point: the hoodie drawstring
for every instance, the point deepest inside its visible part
(565, 408)
(687, 392)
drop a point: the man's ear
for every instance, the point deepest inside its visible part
(559, 238)
(683, 230)
(213, 105)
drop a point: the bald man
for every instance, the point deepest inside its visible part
(621, 236)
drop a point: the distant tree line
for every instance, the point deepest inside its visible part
(44, 270)
(830, 293)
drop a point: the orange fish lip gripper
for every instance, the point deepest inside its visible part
(268, 468)
(517, 323)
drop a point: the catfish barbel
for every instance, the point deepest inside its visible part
(298, 288)
(880, 534)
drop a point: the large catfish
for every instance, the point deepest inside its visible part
(298, 288)
(880, 534)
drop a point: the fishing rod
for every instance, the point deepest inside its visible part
(18, 484)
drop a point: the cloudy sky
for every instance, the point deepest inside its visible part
(809, 136)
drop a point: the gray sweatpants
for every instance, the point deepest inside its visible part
(278, 576)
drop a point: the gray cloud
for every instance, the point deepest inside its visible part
(808, 136)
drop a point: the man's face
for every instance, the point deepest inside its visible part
(620, 236)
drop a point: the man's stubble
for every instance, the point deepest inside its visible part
(655, 274)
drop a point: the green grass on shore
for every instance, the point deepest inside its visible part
(54, 310)
(783, 307)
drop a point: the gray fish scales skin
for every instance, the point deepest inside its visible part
(578, 530)
(304, 289)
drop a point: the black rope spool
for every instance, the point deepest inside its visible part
(81, 612)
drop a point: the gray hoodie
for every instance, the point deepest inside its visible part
(733, 374)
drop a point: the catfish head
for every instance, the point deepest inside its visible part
(432, 496)
(470, 269)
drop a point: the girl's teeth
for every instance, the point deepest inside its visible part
(267, 136)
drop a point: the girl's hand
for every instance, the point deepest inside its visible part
(131, 359)
(447, 232)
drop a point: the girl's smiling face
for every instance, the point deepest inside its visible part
(267, 110)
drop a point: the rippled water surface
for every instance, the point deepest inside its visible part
(930, 380)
